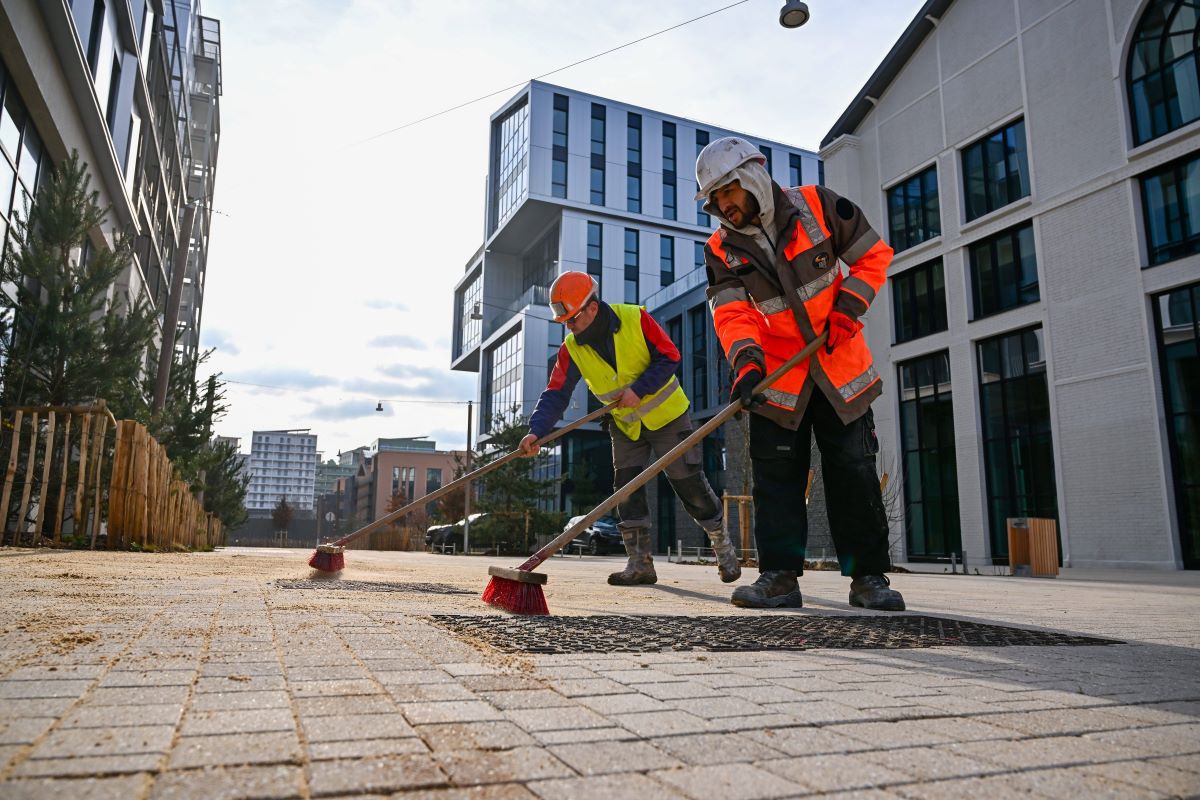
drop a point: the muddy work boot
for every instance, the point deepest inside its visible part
(874, 592)
(640, 568)
(728, 565)
(773, 589)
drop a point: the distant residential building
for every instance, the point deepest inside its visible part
(580, 182)
(283, 463)
(1036, 167)
(408, 467)
(328, 473)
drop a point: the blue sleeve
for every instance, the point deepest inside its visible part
(557, 395)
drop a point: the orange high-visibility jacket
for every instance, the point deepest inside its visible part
(765, 313)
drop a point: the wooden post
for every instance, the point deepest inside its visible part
(45, 485)
(80, 484)
(141, 480)
(116, 498)
(744, 506)
(9, 475)
(98, 460)
(28, 487)
(62, 489)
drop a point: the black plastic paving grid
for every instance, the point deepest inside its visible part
(372, 586)
(657, 634)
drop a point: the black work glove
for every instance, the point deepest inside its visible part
(743, 387)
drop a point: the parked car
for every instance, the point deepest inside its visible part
(601, 537)
(453, 534)
(435, 532)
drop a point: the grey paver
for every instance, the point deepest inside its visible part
(600, 758)
(927, 763)
(23, 731)
(233, 701)
(364, 748)
(549, 719)
(835, 772)
(277, 782)
(472, 767)
(1164, 740)
(340, 706)
(604, 787)
(88, 765)
(110, 788)
(136, 696)
(234, 749)
(167, 677)
(32, 690)
(622, 703)
(388, 774)
(703, 749)
(474, 736)
(526, 698)
(745, 782)
(71, 742)
(662, 723)
(355, 726)
(1041, 752)
(582, 735)
(450, 711)
(207, 723)
(90, 716)
(576, 687)
(1153, 776)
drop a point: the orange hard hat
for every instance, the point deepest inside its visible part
(569, 293)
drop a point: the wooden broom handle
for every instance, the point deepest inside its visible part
(668, 458)
(485, 469)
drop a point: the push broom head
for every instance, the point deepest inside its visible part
(516, 591)
(328, 558)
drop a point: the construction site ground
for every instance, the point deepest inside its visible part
(233, 674)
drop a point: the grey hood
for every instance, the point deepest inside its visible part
(753, 178)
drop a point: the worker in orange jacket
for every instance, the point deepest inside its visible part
(774, 284)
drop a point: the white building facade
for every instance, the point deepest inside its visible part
(283, 464)
(579, 182)
(1035, 165)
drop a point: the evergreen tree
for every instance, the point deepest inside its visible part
(224, 484)
(512, 489)
(74, 335)
(282, 514)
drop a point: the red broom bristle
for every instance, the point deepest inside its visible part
(515, 596)
(327, 562)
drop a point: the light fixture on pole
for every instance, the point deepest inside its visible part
(379, 406)
(793, 14)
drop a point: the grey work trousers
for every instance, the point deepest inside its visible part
(687, 479)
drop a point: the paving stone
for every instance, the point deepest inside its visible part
(130, 679)
(1168, 740)
(604, 787)
(89, 716)
(705, 749)
(621, 703)
(527, 698)
(278, 782)
(1153, 776)
(470, 668)
(926, 763)
(895, 734)
(340, 706)
(364, 748)
(23, 731)
(413, 676)
(581, 735)
(53, 673)
(355, 726)
(35, 707)
(500, 683)
(713, 707)
(136, 696)
(88, 765)
(449, 711)
(71, 742)
(207, 723)
(751, 722)
(662, 723)
(818, 712)
(474, 736)
(745, 782)
(234, 701)
(549, 719)
(33, 690)
(599, 758)
(1189, 763)
(388, 774)
(213, 669)
(429, 692)
(835, 772)
(1059, 722)
(235, 749)
(1070, 784)
(498, 791)
(115, 788)
(578, 687)
(471, 767)
(1041, 752)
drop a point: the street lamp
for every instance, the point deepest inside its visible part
(793, 14)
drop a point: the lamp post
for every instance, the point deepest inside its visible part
(793, 14)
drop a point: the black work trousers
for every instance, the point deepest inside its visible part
(780, 459)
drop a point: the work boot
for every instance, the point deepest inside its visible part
(872, 591)
(640, 568)
(727, 560)
(773, 589)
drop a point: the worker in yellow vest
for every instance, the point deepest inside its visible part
(623, 355)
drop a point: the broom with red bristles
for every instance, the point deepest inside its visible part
(332, 557)
(520, 590)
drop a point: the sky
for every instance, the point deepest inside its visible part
(334, 251)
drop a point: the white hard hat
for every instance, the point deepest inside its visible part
(720, 158)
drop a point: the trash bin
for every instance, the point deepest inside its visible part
(1033, 547)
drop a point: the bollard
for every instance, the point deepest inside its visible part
(964, 561)
(954, 563)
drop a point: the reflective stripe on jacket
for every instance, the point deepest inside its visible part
(633, 356)
(765, 313)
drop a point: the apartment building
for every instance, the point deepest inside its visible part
(135, 89)
(283, 464)
(1036, 166)
(580, 182)
(408, 467)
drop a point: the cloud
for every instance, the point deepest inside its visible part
(349, 409)
(220, 339)
(379, 304)
(281, 378)
(397, 340)
(377, 388)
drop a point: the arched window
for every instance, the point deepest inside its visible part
(1164, 82)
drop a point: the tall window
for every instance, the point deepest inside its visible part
(510, 161)
(1171, 207)
(698, 354)
(995, 170)
(1164, 78)
(698, 255)
(597, 169)
(919, 301)
(395, 479)
(470, 315)
(595, 252)
(631, 265)
(930, 471)
(1004, 271)
(668, 148)
(23, 161)
(1018, 446)
(702, 218)
(766, 151)
(1177, 321)
(558, 164)
(666, 260)
(433, 482)
(795, 170)
(114, 91)
(539, 264)
(913, 210)
(633, 170)
(503, 381)
(96, 29)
